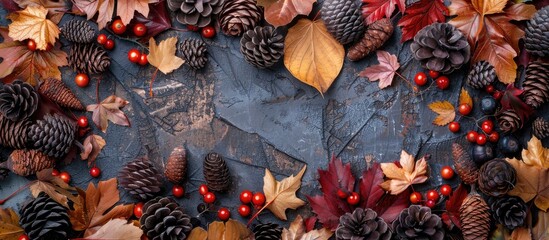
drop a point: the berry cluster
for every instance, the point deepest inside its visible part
(442, 82)
(352, 198)
(433, 196)
(31, 45)
(135, 56)
(206, 32)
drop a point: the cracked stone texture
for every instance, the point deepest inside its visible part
(261, 119)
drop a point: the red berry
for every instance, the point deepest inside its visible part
(342, 194)
(472, 136)
(209, 197)
(203, 189)
(443, 82)
(118, 27)
(134, 55)
(445, 190)
(31, 45)
(65, 176)
(55, 172)
(258, 199)
(415, 197)
(353, 198)
(208, 32)
(109, 44)
(430, 203)
(490, 89)
(82, 80)
(432, 195)
(494, 137)
(433, 74)
(246, 196)
(138, 210)
(223, 214)
(23, 237)
(82, 121)
(420, 79)
(481, 139)
(193, 28)
(178, 191)
(102, 39)
(244, 210)
(465, 109)
(487, 126)
(143, 60)
(497, 95)
(454, 127)
(139, 29)
(95, 172)
(447, 172)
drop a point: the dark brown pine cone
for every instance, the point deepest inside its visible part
(54, 135)
(13, 134)
(163, 219)
(509, 121)
(58, 92)
(375, 36)
(26, 162)
(540, 128)
(464, 165)
(239, 16)
(417, 222)
(176, 166)
(88, 58)
(216, 173)
(362, 224)
(262, 46)
(267, 231)
(474, 215)
(481, 75)
(195, 12)
(536, 84)
(537, 30)
(496, 177)
(18, 100)
(509, 211)
(141, 179)
(45, 219)
(194, 52)
(78, 31)
(343, 20)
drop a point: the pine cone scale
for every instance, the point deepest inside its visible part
(78, 31)
(18, 100)
(262, 46)
(141, 179)
(216, 172)
(343, 20)
(88, 58)
(536, 84)
(537, 29)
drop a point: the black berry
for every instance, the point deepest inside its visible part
(488, 105)
(482, 153)
(509, 145)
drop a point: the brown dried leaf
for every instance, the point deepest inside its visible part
(198, 233)
(384, 71)
(464, 97)
(536, 154)
(281, 195)
(218, 230)
(445, 110)
(282, 12)
(521, 233)
(93, 145)
(297, 231)
(532, 184)
(104, 9)
(56, 8)
(54, 187)
(109, 110)
(117, 229)
(31, 23)
(162, 56)
(9, 225)
(540, 231)
(400, 178)
(126, 9)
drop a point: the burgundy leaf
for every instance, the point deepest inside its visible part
(310, 223)
(158, 20)
(421, 14)
(9, 5)
(511, 100)
(328, 213)
(451, 216)
(390, 206)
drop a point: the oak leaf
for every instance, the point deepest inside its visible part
(9, 225)
(374, 10)
(117, 229)
(312, 55)
(109, 110)
(54, 187)
(445, 110)
(532, 184)
(103, 8)
(465, 98)
(93, 145)
(56, 8)
(281, 195)
(400, 178)
(218, 230)
(162, 56)
(536, 154)
(31, 23)
(297, 231)
(421, 14)
(282, 12)
(384, 71)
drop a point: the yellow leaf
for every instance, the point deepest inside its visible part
(163, 56)
(536, 154)
(312, 55)
(485, 7)
(412, 172)
(117, 229)
(532, 183)
(281, 195)
(297, 232)
(32, 23)
(445, 110)
(198, 233)
(465, 98)
(9, 225)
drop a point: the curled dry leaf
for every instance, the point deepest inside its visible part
(532, 184)
(218, 230)
(9, 225)
(297, 231)
(421, 14)
(281, 195)
(162, 56)
(56, 188)
(109, 110)
(103, 8)
(384, 71)
(374, 10)
(56, 8)
(282, 12)
(31, 23)
(93, 145)
(117, 229)
(465, 98)
(400, 178)
(445, 110)
(536, 154)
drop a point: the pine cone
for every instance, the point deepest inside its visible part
(54, 135)
(362, 224)
(78, 31)
(13, 134)
(441, 47)
(474, 215)
(195, 12)
(537, 30)
(536, 84)
(141, 179)
(540, 128)
(374, 37)
(194, 52)
(176, 167)
(343, 19)
(509, 211)
(417, 222)
(262, 46)
(26, 162)
(58, 92)
(216, 173)
(267, 231)
(163, 218)
(45, 219)
(239, 16)
(18, 100)
(88, 58)
(509, 121)
(465, 166)
(496, 177)
(481, 75)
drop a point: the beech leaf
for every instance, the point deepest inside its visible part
(56, 8)
(218, 230)
(532, 184)
(117, 229)
(312, 55)
(9, 225)
(162, 56)
(31, 23)
(109, 110)
(465, 98)
(297, 231)
(421, 14)
(281, 195)
(103, 8)
(384, 71)
(400, 178)
(54, 187)
(374, 10)
(93, 145)
(445, 110)
(282, 12)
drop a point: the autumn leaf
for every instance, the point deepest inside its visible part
(9, 225)
(297, 231)
(536, 154)
(117, 229)
(451, 216)
(512, 100)
(540, 230)
(532, 184)
(465, 98)
(312, 55)
(125, 9)
(281, 195)
(31, 23)
(500, 233)
(54, 187)
(56, 8)
(109, 110)
(163, 56)
(103, 8)
(521, 233)
(421, 14)
(374, 10)
(231, 229)
(92, 147)
(400, 178)
(265, 3)
(156, 22)
(445, 110)
(282, 12)
(384, 71)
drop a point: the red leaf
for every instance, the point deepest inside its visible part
(384, 72)
(310, 223)
(421, 14)
(157, 21)
(511, 100)
(451, 216)
(374, 10)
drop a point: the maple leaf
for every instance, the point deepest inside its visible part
(92, 147)
(312, 55)
(532, 184)
(374, 10)
(445, 110)
(421, 14)
(384, 71)
(156, 22)
(400, 178)
(297, 231)
(465, 98)
(117, 229)
(536, 154)
(9, 225)
(54, 187)
(125, 9)
(451, 216)
(103, 8)
(281, 195)
(282, 12)
(109, 110)
(31, 23)
(162, 56)
(56, 8)
(218, 230)
(512, 100)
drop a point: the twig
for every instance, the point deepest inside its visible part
(152, 81)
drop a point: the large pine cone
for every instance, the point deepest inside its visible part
(540, 128)
(216, 173)
(509, 211)
(465, 166)
(362, 224)
(417, 222)
(375, 36)
(239, 16)
(343, 19)
(267, 231)
(474, 214)
(536, 84)
(45, 219)
(262, 46)
(176, 167)
(78, 31)
(58, 92)
(163, 219)
(194, 52)
(496, 177)
(18, 100)
(13, 134)
(536, 39)
(88, 58)
(54, 135)
(481, 75)
(141, 179)
(441, 47)
(509, 121)
(25, 162)
(195, 12)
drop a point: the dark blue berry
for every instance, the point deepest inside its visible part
(488, 105)
(509, 145)
(482, 154)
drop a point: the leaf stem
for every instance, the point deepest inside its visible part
(407, 81)
(16, 192)
(258, 212)
(151, 94)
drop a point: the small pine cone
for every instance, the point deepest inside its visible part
(194, 52)
(195, 12)
(216, 172)
(465, 166)
(481, 75)
(238, 16)
(14, 134)
(343, 19)
(45, 219)
(267, 231)
(18, 100)
(262, 46)
(540, 128)
(176, 167)
(163, 218)
(58, 92)
(78, 31)
(88, 58)
(141, 179)
(536, 84)
(509, 121)
(362, 224)
(496, 177)
(537, 30)
(474, 215)
(417, 222)
(509, 211)
(54, 135)
(25, 162)
(374, 37)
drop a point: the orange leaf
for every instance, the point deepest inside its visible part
(31, 23)
(126, 9)
(445, 110)
(532, 184)
(9, 225)
(400, 178)
(104, 9)
(485, 7)
(281, 195)
(283, 12)
(464, 97)
(499, 54)
(56, 8)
